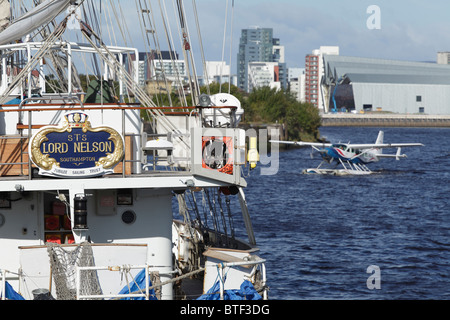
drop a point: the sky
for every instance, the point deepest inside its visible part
(410, 30)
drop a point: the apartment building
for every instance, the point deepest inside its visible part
(296, 80)
(314, 71)
(257, 45)
(155, 66)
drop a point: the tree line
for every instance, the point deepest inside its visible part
(301, 121)
(265, 105)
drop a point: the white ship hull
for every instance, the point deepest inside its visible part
(88, 198)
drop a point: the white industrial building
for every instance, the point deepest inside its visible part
(219, 72)
(365, 84)
(263, 74)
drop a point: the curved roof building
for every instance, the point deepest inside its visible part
(366, 84)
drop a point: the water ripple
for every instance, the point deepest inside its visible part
(319, 234)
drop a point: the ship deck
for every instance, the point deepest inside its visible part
(174, 180)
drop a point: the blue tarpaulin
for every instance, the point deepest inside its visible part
(137, 285)
(14, 101)
(246, 292)
(10, 294)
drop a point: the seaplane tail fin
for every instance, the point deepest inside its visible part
(379, 140)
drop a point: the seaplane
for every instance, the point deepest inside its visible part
(353, 158)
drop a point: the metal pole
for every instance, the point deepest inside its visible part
(221, 281)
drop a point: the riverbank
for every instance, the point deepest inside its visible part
(384, 120)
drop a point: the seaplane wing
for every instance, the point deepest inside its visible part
(383, 145)
(302, 143)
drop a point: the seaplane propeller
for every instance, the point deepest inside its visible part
(314, 151)
(325, 156)
(322, 152)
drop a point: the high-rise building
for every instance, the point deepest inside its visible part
(314, 72)
(312, 78)
(296, 80)
(155, 66)
(263, 74)
(258, 45)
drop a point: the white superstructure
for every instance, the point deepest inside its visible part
(87, 195)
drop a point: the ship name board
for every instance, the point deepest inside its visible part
(75, 149)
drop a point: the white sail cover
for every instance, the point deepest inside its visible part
(39, 16)
(5, 13)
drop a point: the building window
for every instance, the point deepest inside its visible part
(367, 107)
(421, 110)
(419, 98)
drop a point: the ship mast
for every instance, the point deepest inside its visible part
(187, 53)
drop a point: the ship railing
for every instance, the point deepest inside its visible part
(74, 99)
(145, 293)
(67, 106)
(139, 159)
(41, 107)
(224, 265)
(4, 278)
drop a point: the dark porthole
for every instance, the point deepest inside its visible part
(128, 217)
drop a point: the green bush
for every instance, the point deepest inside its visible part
(302, 120)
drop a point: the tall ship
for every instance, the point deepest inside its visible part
(111, 188)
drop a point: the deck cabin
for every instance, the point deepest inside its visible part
(77, 168)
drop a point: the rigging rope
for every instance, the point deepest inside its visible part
(108, 57)
(170, 42)
(223, 47)
(34, 60)
(231, 45)
(188, 54)
(151, 29)
(205, 70)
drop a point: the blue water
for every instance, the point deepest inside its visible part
(319, 234)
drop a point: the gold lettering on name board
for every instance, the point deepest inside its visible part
(77, 137)
(102, 146)
(55, 147)
(40, 148)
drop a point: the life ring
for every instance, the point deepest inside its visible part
(52, 223)
(221, 162)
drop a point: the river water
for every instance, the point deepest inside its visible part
(381, 236)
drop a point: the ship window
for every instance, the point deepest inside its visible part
(418, 98)
(125, 197)
(128, 217)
